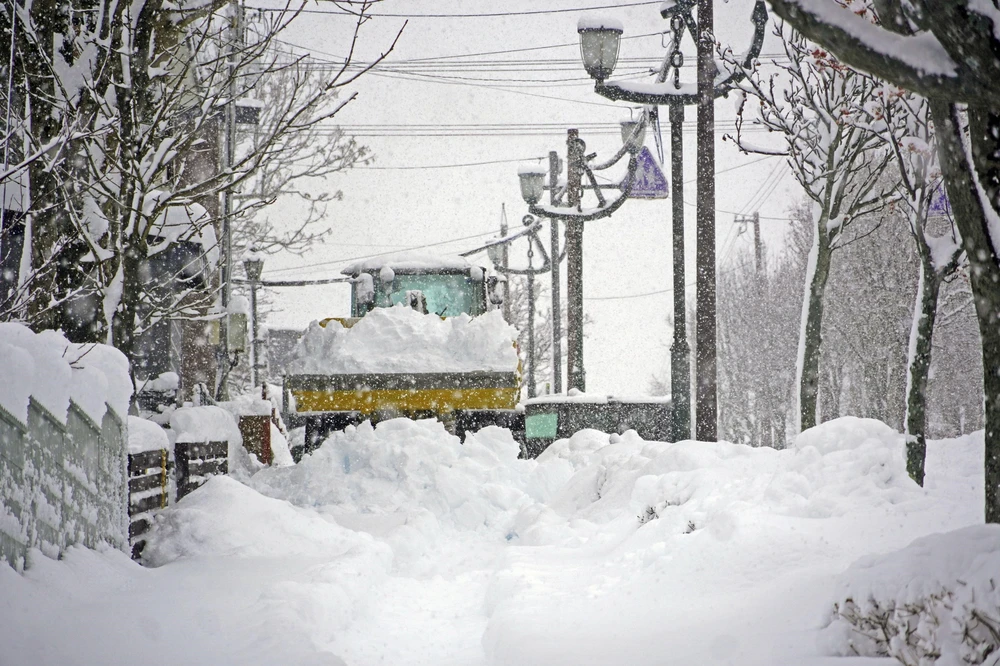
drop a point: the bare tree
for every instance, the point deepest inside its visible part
(302, 177)
(902, 121)
(147, 173)
(807, 102)
(957, 70)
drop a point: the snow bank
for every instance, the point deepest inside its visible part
(399, 545)
(940, 594)
(400, 339)
(144, 435)
(54, 371)
(224, 518)
(409, 467)
(831, 470)
(204, 424)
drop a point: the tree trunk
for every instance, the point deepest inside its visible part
(123, 321)
(811, 332)
(972, 217)
(46, 200)
(918, 365)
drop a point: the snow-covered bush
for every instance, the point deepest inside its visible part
(935, 602)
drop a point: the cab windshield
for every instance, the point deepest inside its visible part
(446, 295)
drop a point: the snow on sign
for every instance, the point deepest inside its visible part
(650, 183)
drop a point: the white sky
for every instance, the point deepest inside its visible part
(388, 209)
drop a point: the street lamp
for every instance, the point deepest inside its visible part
(578, 165)
(711, 84)
(253, 264)
(599, 40)
(532, 182)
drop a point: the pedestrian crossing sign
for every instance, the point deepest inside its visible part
(649, 182)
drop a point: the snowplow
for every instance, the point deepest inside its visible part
(425, 339)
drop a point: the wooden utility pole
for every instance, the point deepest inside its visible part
(758, 248)
(706, 398)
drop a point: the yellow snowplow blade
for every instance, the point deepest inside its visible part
(437, 393)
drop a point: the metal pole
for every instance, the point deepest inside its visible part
(229, 156)
(706, 406)
(253, 334)
(680, 351)
(576, 376)
(532, 390)
(504, 264)
(556, 287)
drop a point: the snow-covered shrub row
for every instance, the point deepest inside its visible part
(400, 339)
(54, 371)
(936, 601)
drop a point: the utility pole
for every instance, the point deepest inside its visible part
(758, 249)
(228, 158)
(554, 170)
(575, 376)
(503, 262)
(706, 400)
(532, 389)
(680, 350)
(758, 253)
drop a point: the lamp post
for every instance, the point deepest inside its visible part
(500, 251)
(253, 264)
(597, 40)
(578, 165)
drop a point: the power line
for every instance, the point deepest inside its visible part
(420, 130)
(668, 290)
(430, 59)
(496, 88)
(445, 166)
(533, 12)
(380, 254)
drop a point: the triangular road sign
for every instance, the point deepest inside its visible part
(650, 183)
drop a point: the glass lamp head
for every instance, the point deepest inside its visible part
(599, 41)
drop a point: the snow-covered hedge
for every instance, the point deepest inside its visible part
(936, 601)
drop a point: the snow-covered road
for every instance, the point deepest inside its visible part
(398, 545)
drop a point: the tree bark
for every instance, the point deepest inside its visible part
(918, 366)
(811, 342)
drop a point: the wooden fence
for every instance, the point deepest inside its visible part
(150, 479)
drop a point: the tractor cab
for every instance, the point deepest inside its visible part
(443, 285)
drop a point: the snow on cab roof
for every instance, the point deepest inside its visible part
(410, 262)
